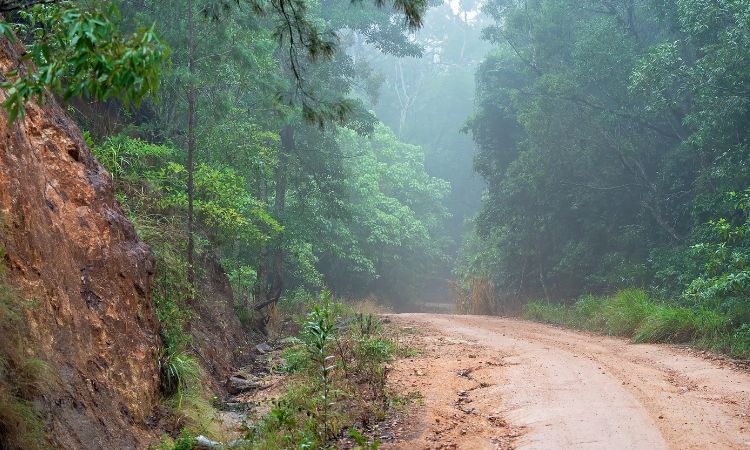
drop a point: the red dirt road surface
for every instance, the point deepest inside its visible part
(488, 382)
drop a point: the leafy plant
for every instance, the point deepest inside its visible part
(724, 284)
(319, 332)
(362, 442)
(337, 378)
(78, 50)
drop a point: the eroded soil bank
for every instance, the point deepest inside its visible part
(489, 382)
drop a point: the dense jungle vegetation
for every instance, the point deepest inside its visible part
(613, 136)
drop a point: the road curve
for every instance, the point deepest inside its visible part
(572, 390)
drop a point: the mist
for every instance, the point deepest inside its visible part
(426, 100)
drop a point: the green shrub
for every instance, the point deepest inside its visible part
(186, 441)
(682, 325)
(296, 358)
(374, 351)
(667, 324)
(317, 336)
(195, 413)
(588, 314)
(738, 344)
(625, 312)
(711, 326)
(337, 378)
(542, 311)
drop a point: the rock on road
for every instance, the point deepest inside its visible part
(490, 382)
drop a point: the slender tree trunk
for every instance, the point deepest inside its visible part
(287, 148)
(191, 145)
(260, 294)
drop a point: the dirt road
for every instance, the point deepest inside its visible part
(489, 382)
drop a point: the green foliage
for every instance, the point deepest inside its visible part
(362, 441)
(130, 159)
(178, 372)
(626, 311)
(258, 201)
(386, 242)
(608, 137)
(317, 335)
(540, 311)
(337, 378)
(631, 313)
(78, 51)
(426, 100)
(222, 202)
(296, 358)
(186, 441)
(724, 283)
(675, 324)
(153, 184)
(195, 415)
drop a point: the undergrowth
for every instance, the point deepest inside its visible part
(338, 369)
(632, 313)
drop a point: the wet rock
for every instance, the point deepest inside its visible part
(239, 383)
(204, 443)
(263, 348)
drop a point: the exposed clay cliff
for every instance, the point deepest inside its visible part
(70, 248)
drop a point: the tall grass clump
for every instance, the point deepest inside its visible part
(626, 311)
(545, 312)
(683, 325)
(477, 298)
(633, 314)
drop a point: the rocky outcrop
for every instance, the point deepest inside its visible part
(70, 249)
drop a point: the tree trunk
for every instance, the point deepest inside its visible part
(260, 293)
(287, 148)
(191, 145)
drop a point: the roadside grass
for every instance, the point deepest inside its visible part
(633, 314)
